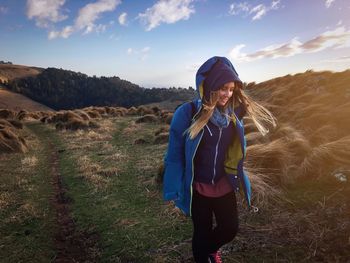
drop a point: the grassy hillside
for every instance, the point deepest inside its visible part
(64, 89)
(14, 101)
(10, 72)
(88, 188)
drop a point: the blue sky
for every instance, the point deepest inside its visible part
(162, 43)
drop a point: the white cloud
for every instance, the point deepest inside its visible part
(142, 54)
(45, 12)
(65, 33)
(339, 37)
(114, 37)
(338, 60)
(275, 4)
(122, 19)
(166, 11)
(91, 12)
(328, 3)
(257, 12)
(145, 49)
(3, 9)
(193, 67)
(86, 18)
(235, 9)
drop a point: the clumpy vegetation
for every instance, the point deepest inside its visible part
(109, 162)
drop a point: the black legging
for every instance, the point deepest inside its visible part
(206, 239)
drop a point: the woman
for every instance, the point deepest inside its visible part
(204, 161)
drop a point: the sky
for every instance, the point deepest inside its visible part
(162, 43)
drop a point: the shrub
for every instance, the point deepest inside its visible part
(148, 118)
(162, 138)
(11, 142)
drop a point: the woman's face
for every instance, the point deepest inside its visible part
(225, 93)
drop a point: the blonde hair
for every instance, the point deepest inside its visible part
(258, 113)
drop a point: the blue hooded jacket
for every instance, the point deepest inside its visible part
(179, 159)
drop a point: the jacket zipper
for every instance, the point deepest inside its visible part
(216, 155)
(194, 154)
(209, 130)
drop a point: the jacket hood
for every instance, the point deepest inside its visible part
(203, 74)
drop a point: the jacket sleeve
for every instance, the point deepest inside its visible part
(173, 183)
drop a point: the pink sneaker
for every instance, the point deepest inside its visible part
(215, 257)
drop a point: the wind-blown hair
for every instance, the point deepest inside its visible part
(258, 113)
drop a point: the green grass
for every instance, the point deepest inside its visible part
(131, 222)
(128, 213)
(26, 219)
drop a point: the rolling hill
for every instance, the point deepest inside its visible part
(64, 89)
(10, 72)
(110, 203)
(14, 101)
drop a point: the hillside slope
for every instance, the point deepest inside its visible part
(14, 101)
(65, 89)
(108, 160)
(10, 72)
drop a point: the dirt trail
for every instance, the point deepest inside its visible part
(71, 244)
(68, 249)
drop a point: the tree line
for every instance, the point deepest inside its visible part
(64, 89)
(5, 62)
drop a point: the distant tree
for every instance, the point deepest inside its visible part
(64, 89)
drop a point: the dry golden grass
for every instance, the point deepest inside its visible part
(143, 110)
(91, 172)
(311, 141)
(254, 138)
(17, 102)
(5, 123)
(82, 114)
(6, 199)
(132, 111)
(161, 138)
(126, 222)
(11, 141)
(274, 155)
(115, 157)
(148, 118)
(264, 189)
(166, 117)
(10, 71)
(327, 157)
(312, 111)
(249, 126)
(163, 129)
(85, 143)
(93, 113)
(21, 189)
(323, 134)
(29, 162)
(132, 128)
(7, 114)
